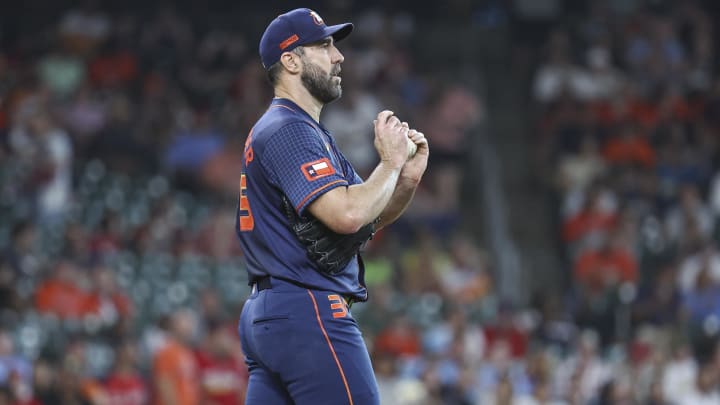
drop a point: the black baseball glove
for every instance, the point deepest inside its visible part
(329, 250)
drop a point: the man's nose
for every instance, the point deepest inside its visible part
(337, 56)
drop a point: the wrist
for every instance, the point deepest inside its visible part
(392, 165)
(409, 181)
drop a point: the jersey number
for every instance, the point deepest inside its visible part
(245, 217)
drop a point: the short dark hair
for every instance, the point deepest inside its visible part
(273, 73)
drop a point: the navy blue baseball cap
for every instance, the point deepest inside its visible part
(301, 26)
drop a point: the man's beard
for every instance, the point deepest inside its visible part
(320, 84)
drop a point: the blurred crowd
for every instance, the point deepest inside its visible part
(628, 132)
(121, 280)
(121, 133)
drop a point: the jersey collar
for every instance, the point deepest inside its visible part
(290, 105)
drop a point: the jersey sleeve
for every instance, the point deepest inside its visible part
(353, 177)
(299, 162)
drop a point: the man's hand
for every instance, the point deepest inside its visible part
(408, 179)
(390, 139)
(415, 167)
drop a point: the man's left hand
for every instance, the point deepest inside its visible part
(415, 166)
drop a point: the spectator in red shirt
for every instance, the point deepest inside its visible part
(222, 373)
(594, 217)
(125, 385)
(607, 267)
(114, 67)
(508, 332)
(399, 339)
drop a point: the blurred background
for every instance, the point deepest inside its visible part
(561, 249)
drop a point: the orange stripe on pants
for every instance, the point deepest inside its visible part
(332, 349)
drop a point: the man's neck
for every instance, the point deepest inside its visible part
(298, 94)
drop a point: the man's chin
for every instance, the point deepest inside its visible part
(336, 95)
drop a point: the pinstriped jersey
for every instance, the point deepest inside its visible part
(288, 154)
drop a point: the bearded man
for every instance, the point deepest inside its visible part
(303, 215)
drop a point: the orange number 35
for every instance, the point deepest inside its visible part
(245, 217)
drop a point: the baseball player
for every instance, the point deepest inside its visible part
(303, 214)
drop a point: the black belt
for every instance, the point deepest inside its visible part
(265, 284)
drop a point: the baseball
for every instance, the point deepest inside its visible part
(411, 148)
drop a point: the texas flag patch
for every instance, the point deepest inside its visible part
(318, 169)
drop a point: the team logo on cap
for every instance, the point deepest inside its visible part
(316, 17)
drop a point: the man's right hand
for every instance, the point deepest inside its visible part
(391, 139)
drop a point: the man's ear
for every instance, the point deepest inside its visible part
(291, 62)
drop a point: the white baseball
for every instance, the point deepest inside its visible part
(411, 148)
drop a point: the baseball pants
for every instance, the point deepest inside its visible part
(303, 347)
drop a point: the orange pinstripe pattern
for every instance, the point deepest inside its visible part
(332, 349)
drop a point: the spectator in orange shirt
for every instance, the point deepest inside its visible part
(175, 371)
(62, 294)
(612, 264)
(629, 147)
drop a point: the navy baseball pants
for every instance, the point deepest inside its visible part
(303, 347)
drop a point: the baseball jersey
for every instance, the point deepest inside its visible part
(287, 153)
